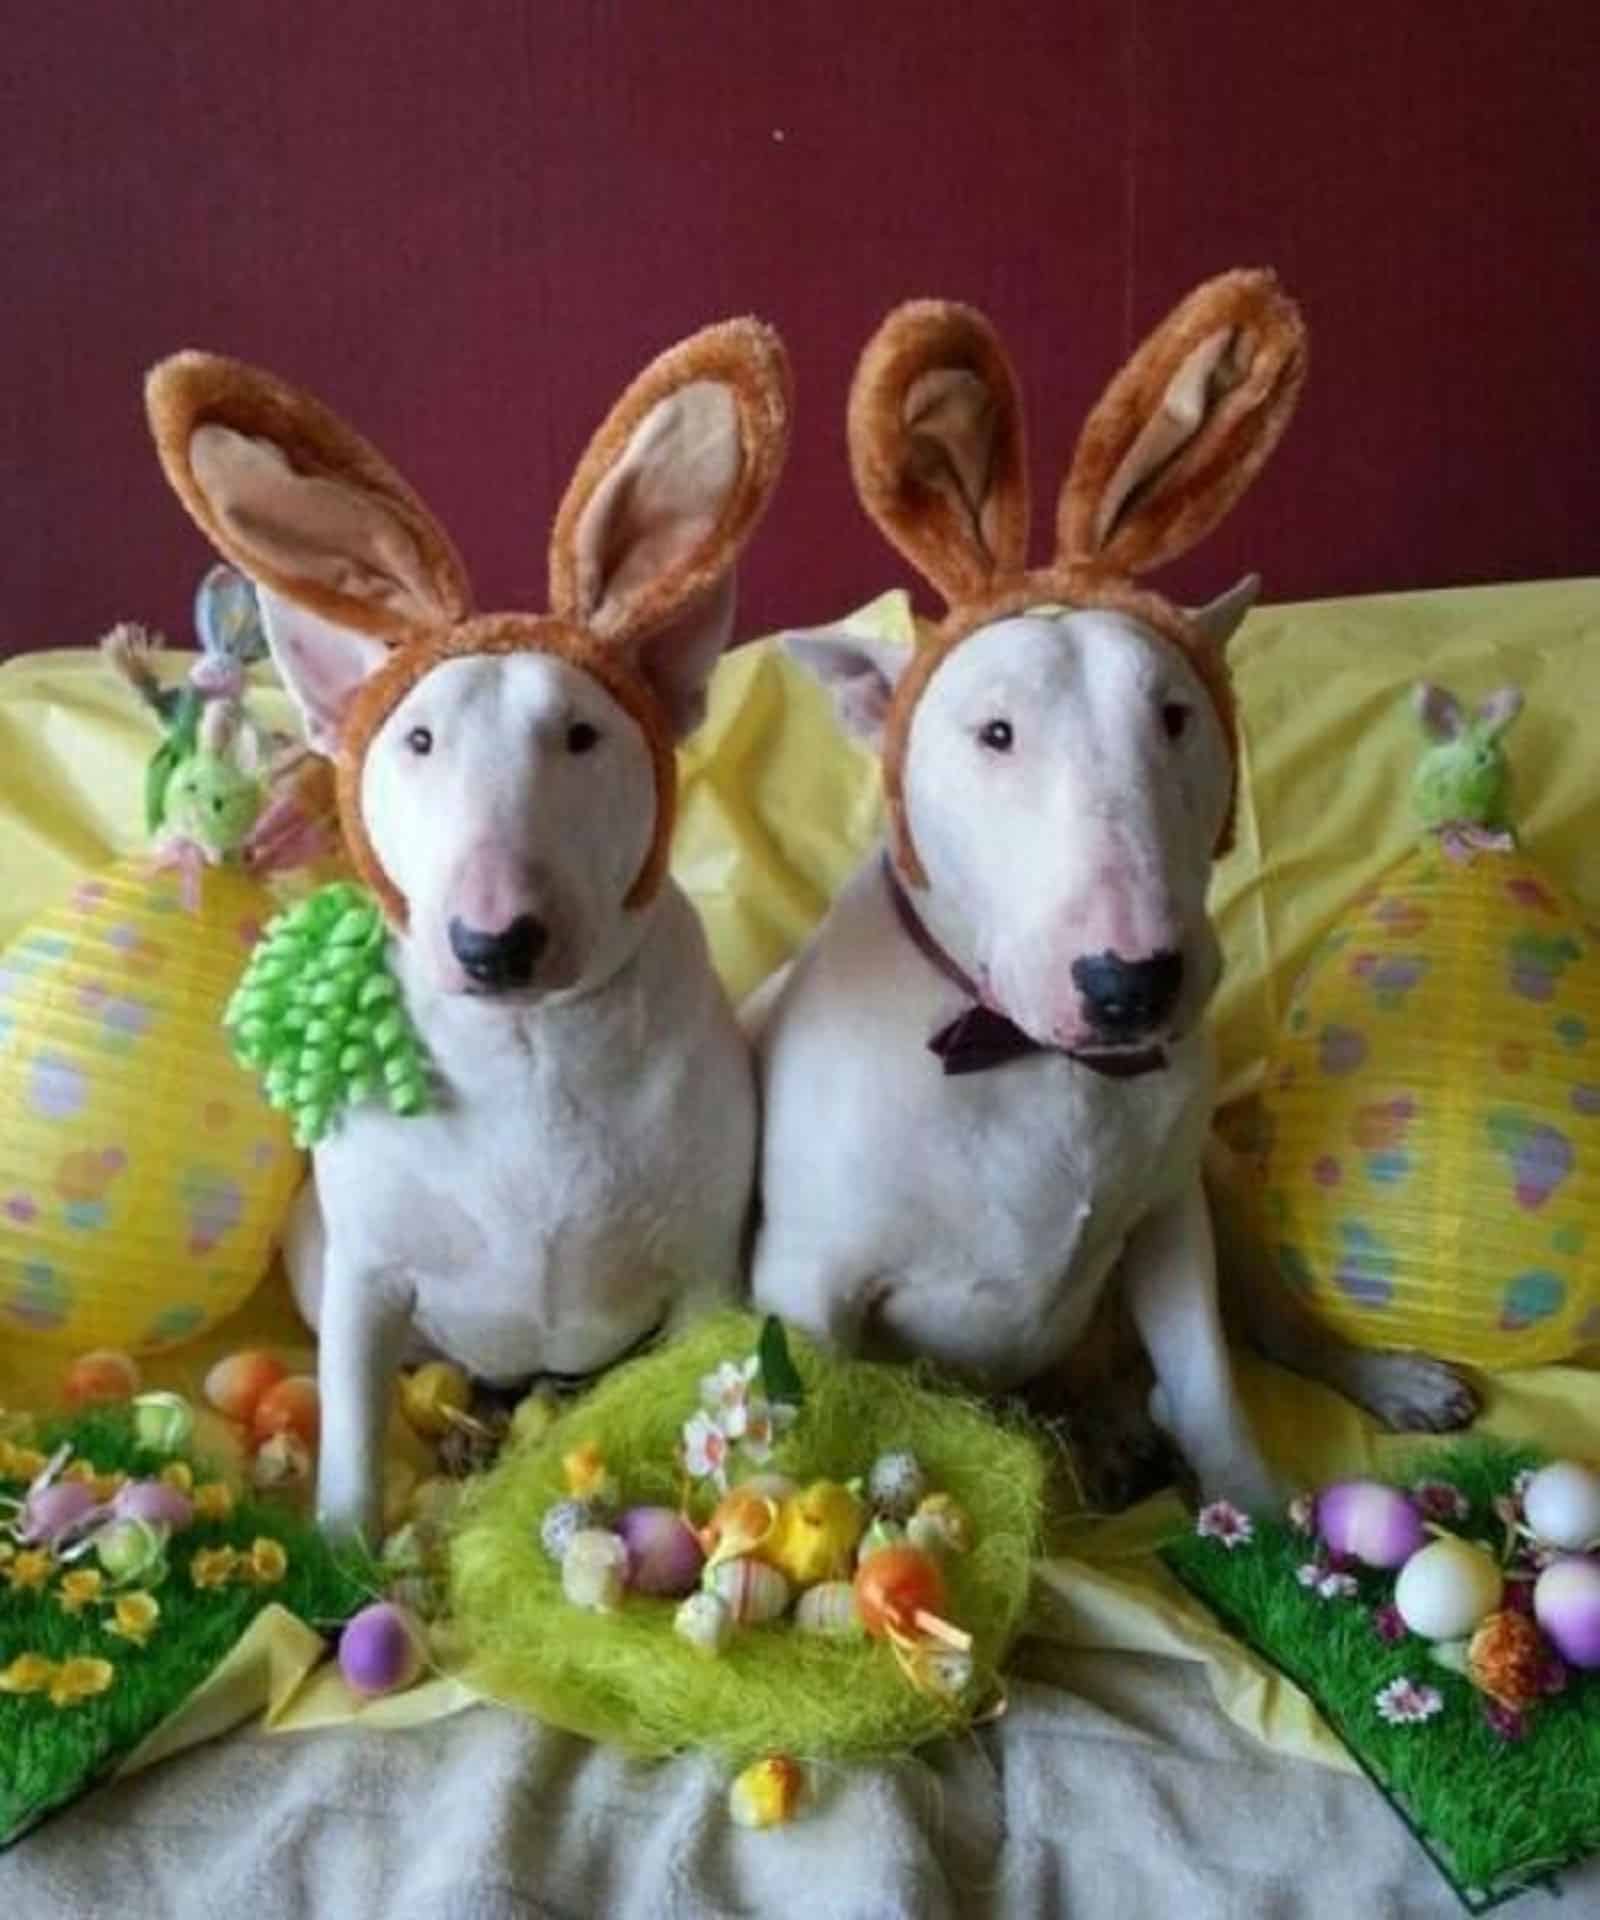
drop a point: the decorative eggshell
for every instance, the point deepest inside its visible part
(594, 1570)
(830, 1610)
(895, 1484)
(236, 1384)
(163, 1422)
(100, 1376)
(146, 1182)
(1561, 1505)
(1447, 1588)
(562, 1519)
(664, 1557)
(705, 1621)
(754, 1592)
(1566, 1603)
(381, 1650)
(1371, 1522)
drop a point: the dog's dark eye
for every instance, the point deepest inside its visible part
(996, 735)
(1174, 719)
(420, 740)
(581, 737)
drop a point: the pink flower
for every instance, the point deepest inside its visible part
(1387, 1624)
(1403, 1703)
(1441, 1501)
(1224, 1522)
(1310, 1573)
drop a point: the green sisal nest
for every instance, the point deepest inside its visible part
(628, 1678)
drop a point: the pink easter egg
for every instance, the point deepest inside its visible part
(1369, 1521)
(1566, 1603)
(664, 1557)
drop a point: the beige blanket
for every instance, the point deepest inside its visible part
(1118, 1792)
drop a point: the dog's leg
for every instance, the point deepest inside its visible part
(1409, 1392)
(365, 1321)
(1169, 1271)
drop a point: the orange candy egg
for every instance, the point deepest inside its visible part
(237, 1385)
(894, 1585)
(94, 1378)
(292, 1406)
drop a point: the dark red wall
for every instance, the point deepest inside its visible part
(468, 224)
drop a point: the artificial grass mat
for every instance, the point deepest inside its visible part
(49, 1755)
(1495, 1815)
(627, 1677)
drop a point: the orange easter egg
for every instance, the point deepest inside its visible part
(237, 1385)
(292, 1406)
(100, 1376)
(894, 1585)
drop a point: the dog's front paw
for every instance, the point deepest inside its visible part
(1411, 1393)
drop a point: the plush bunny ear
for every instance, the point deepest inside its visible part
(937, 446)
(1439, 711)
(664, 498)
(1184, 427)
(299, 502)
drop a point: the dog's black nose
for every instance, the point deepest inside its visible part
(500, 960)
(1126, 998)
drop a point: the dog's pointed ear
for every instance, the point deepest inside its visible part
(671, 487)
(1184, 427)
(1219, 620)
(937, 446)
(298, 501)
(859, 670)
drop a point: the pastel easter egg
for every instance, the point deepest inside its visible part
(163, 1422)
(563, 1519)
(664, 1557)
(382, 1650)
(100, 1376)
(292, 1406)
(594, 1570)
(705, 1621)
(830, 1610)
(238, 1383)
(1566, 1603)
(1369, 1521)
(753, 1591)
(895, 1484)
(1447, 1588)
(1561, 1505)
(941, 1525)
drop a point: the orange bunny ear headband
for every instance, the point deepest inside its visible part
(641, 555)
(939, 457)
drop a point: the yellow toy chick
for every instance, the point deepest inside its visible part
(815, 1533)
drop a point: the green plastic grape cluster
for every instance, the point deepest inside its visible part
(319, 1016)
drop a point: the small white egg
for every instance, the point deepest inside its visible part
(1445, 1589)
(1561, 1505)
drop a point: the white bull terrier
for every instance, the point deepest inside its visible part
(988, 1086)
(507, 786)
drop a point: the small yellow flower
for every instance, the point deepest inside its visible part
(268, 1563)
(213, 1501)
(80, 1470)
(177, 1473)
(31, 1569)
(135, 1618)
(214, 1566)
(79, 1590)
(80, 1679)
(28, 1673)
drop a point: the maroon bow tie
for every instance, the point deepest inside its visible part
(979, 1037)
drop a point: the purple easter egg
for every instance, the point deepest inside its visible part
(1566, 1603)
(54, 1511)
(154, 1502)
(381, 1650)
(664, 1557)
(1370, 1522)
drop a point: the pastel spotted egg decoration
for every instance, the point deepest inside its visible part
(143, 1181)
(1432, 1177)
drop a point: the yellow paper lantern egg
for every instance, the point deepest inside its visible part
(143, 1180)
(1429, 1135)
